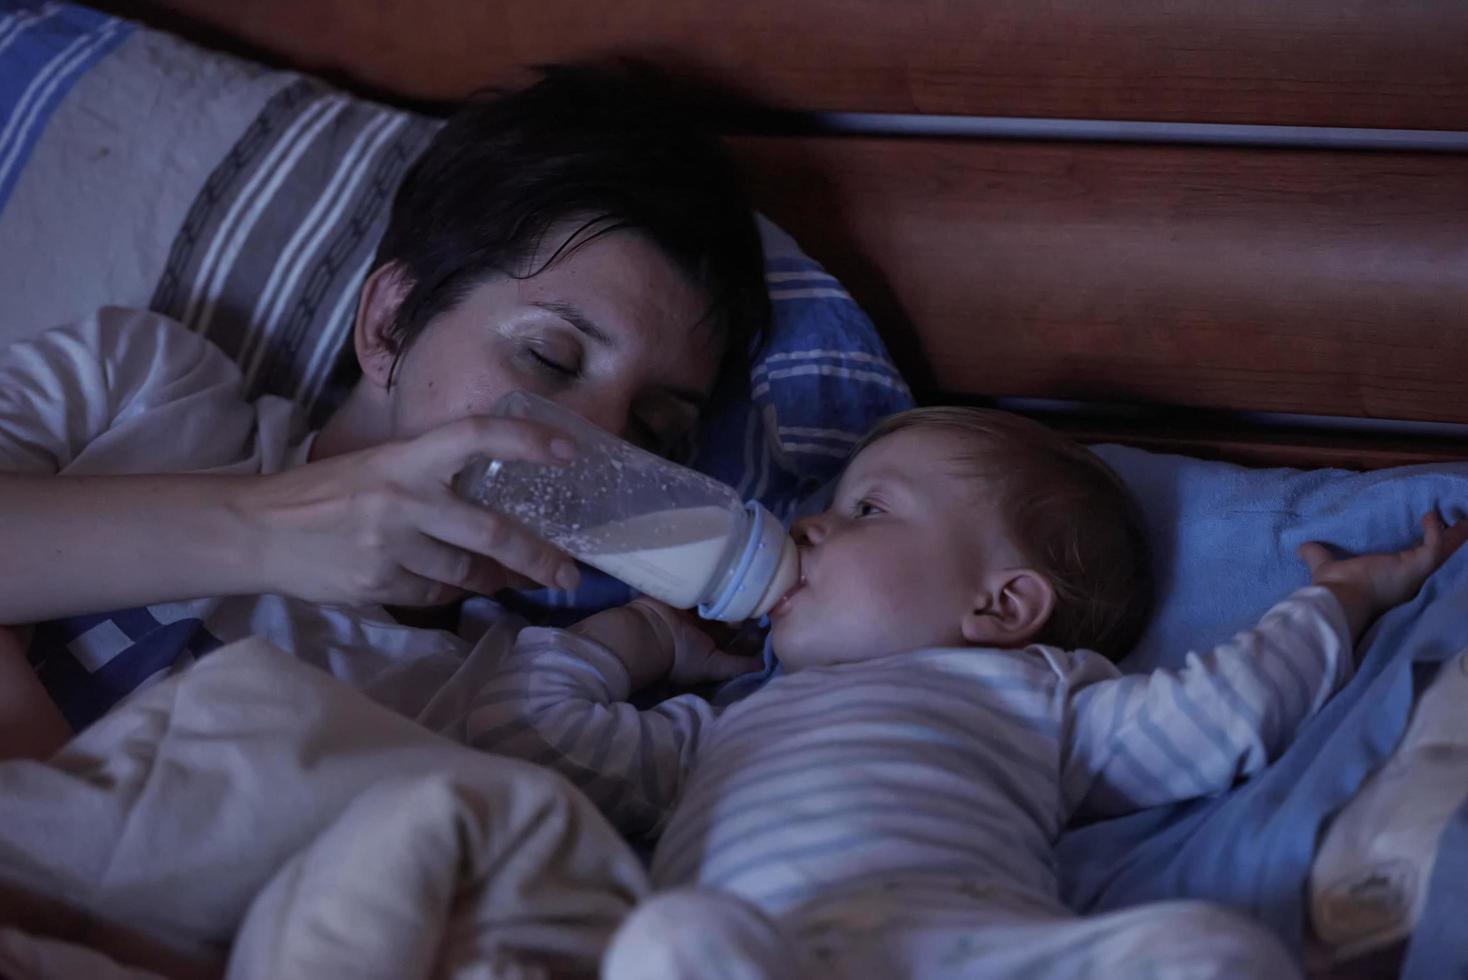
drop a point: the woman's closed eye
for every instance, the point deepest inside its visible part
(551, 366)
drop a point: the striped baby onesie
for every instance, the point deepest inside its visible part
(952, 769)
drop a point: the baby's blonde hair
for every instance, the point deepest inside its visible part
(1069, 514)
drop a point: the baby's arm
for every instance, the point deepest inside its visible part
(559, 699)
(1147, 739)
(654, 642)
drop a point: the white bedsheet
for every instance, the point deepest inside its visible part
(257, 811)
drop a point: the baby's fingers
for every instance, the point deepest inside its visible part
(1440, 540)
(490, 535)
(1454, 537)
(1314, 555)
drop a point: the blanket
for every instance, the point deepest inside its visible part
(255, 817)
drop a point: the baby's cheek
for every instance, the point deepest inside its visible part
(885, 610)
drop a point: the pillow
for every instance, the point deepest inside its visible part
(247, 203)
(1224, 540)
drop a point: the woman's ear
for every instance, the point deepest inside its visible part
(1010, 609)
(377, 308)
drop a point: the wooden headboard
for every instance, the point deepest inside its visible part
(1194, 278)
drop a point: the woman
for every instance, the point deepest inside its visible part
(580, 239)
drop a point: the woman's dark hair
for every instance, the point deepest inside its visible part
(605, 147)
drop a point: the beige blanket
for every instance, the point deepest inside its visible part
(254, 817)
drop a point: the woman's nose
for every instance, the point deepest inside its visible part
(612, 414)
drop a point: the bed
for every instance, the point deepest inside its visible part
(1198, 235)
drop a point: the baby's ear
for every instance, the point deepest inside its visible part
(377, 308)
(1010, 609)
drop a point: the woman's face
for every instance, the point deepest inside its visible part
(611, 331)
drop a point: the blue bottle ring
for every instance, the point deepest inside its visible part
(757, 563)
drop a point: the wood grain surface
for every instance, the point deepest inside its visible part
(1268, 281)
(1292, 62)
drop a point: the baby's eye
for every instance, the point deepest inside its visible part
(866, 508)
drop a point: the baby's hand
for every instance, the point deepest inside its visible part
(655, 641)
(1369, 585)
(696, 656)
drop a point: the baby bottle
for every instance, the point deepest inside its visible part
(665, 530)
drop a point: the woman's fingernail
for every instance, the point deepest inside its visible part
(563, 448)
(567, 576)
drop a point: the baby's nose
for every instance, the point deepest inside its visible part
(809, 530)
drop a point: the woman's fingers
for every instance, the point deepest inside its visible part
(446, 449)
(411, 589)
(429, 560)
(474, 530)
(382, 524)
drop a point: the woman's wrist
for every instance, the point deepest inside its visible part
(248, 538)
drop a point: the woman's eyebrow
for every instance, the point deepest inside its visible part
(576, 318)
(573, 315)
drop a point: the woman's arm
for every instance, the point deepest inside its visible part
(81, 544)
(380, 525)
(131, 392)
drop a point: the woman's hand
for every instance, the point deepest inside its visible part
(1368, 585)
(383, 525)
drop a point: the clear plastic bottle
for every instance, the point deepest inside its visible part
(664, 529)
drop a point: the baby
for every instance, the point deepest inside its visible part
(888, 806)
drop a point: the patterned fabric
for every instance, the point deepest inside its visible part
(85, 674)
(268, 262)
(820, 383)
(44, 49)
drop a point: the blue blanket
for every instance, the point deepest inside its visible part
(1224, 540)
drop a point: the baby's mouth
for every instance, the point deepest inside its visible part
(784, 601)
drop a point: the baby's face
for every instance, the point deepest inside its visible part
(895, 563)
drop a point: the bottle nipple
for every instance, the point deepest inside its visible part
(787, 574)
